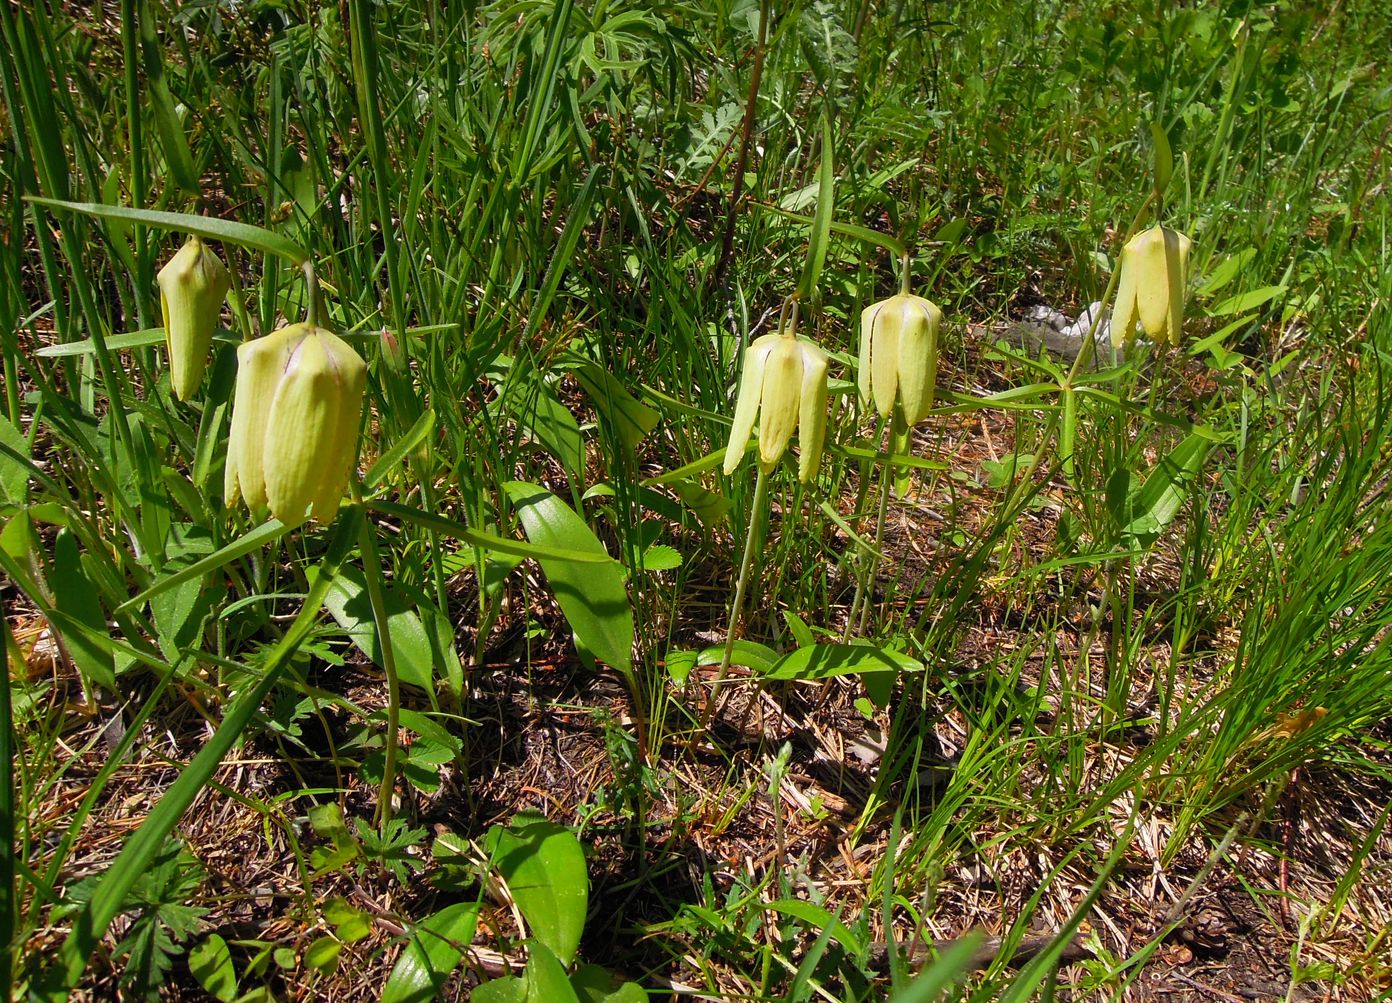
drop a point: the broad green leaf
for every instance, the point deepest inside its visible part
(629, 418)
(546, 977)
(593, 984)
(75, 596)
(350, 924)
(592, 597)
(1154, 505)
(322, 955)
(1243, 302)
(797, 626)
(710, 507)
(877, 667)
(543, 865)
(210, 962)
(242, 234)
(432, 952)
(347, 602)
(508, 989)
(758, 657)
(554, 426)
(179, 614)
(14, 474)
(488, 541)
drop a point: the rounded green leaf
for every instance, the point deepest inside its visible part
(431, 954)
(544, 868)
(210, 962)
(592, 596)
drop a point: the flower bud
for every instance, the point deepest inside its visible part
(784, 386)
(192, 287)
(294, 435)
(1154, 271)
(899, 356)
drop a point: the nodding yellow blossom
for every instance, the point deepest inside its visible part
(294, 437)
(1150, 289)
(192, 287)
(784, 388)
(899, 356)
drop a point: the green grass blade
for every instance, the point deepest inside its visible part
(243, 234)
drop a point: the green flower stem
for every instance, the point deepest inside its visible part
(886, 479)
(372, 568)
(8, 901)
(1069, 434)
(868, 560)
(756, 512)
(314, 295)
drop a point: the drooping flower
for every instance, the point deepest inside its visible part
(899, 356)
(192, 287)
(784, 388)
(1150, 289)
(294, 437)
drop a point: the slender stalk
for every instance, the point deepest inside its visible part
(1080, 363)
(135, 139)
(868, 561)
(8, 902)
(756, 512)
(372, 568)
(756, 77)
(886, 479)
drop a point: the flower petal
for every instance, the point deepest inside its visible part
(812, 411)
(751, 388)
(778, 415)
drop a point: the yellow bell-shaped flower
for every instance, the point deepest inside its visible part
(192, 287)
(294, 437)
(1150, 288)
(784, 388)
(899, 355)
